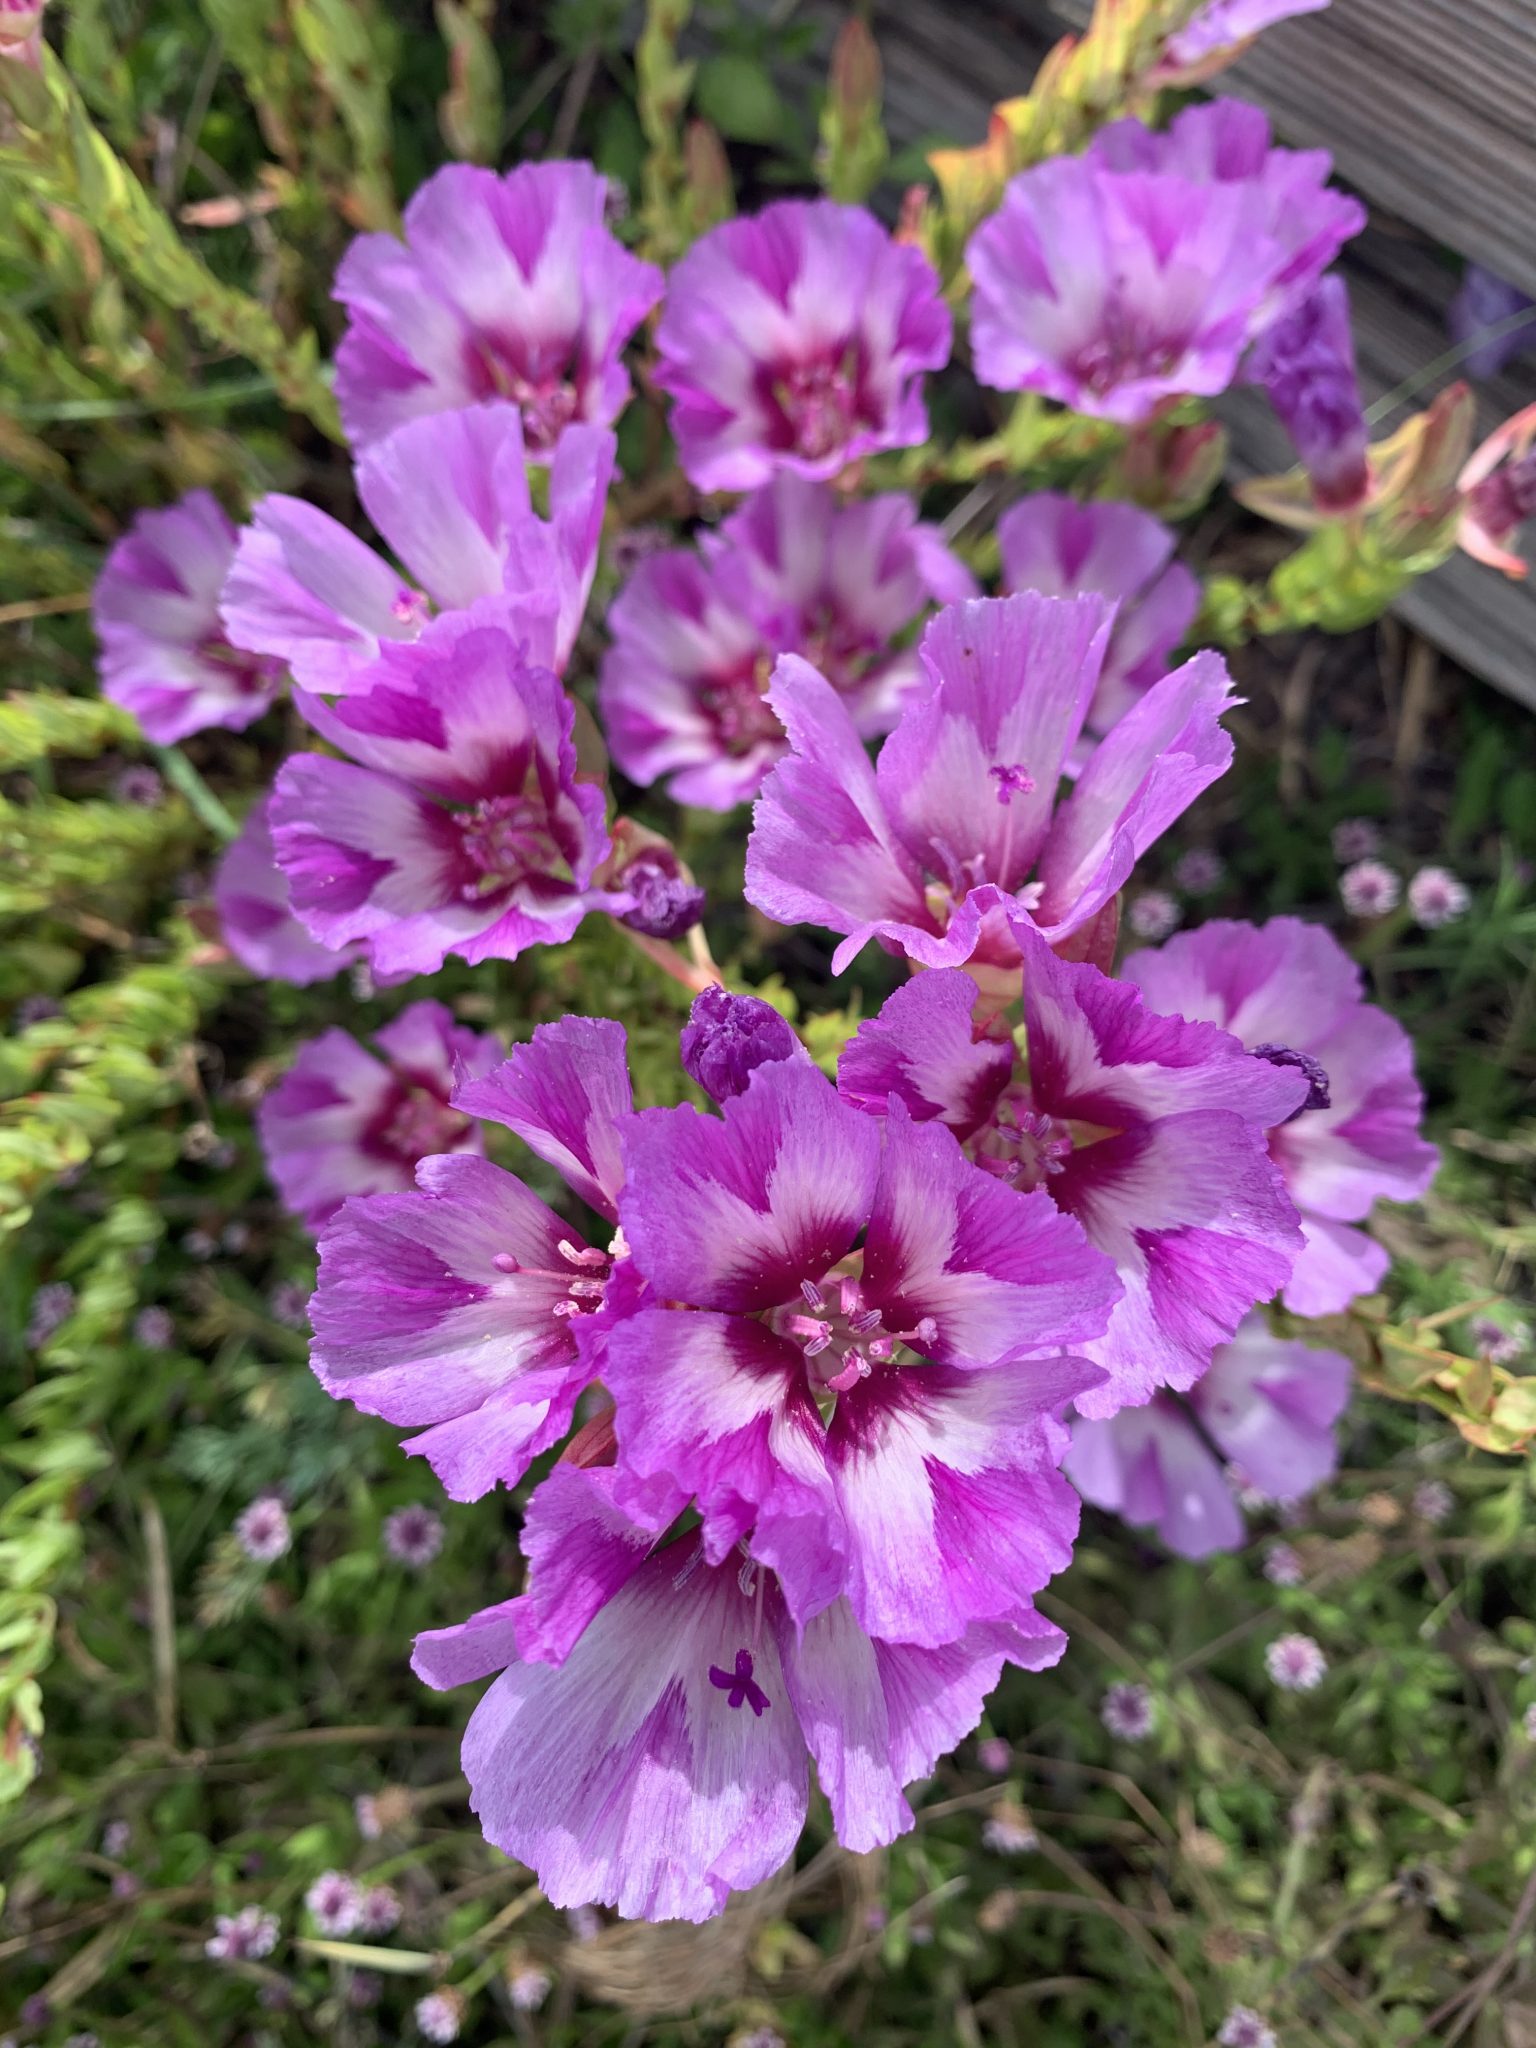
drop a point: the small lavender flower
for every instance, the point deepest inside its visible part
(1128, 1713)
(1243, 2028)
(440, 2014)
(125, 1885)
(1433, 1502)
(336, 1902)
(365, 1990)
(994, 1755)
(1282, 1566)
(366, 1812)
(1529, 1722)
(760, 2037)
(1500, 1346)
(289, 1304)
(1369, 889)
(243, 1936)
(35, 1009)
(1008, 1833)
(1199, 871)
(115, 1837)
(138, 785)
(52, 1305)
(528, 1988)
(36, 2011)
(199, 1245)
(262, 1530)
(1354, 839)
(585, 1923)
(1437, 897)
(1295, 1663)
(381, 1910)
(413, 1536)
(154, 1329)
(1154, 914)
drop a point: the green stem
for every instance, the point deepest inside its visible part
(185, 780)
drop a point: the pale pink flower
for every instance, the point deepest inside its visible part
(440, 2014)
(1128, 1713)
(1282, 1566)
(1295, 1663)
(1437, 897)
(336, 1903)
(1243, 2028)
(1354, 839)
(1154, 914)
(262, 1530)
(1369, 889)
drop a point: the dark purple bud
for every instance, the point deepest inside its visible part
(1306, 362)
(1506, 497)
(727, 1036)
(1318, 1096)
(665, 905)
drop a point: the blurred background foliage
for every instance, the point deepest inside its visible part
(1357, 1863)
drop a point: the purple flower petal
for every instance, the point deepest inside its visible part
(1151, 1466)
(920, 1049)
(563, 1094)
(250, 894)
(1270, 1406)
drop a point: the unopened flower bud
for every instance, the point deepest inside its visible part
(727, 1036)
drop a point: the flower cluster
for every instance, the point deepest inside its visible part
(818, 1363)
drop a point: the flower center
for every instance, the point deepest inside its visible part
(412, 608)
(737, 709)
(819, 402)
(843, 1337)
(506, 838)
(418, 1123)
(1022, 1145)
(548, 402)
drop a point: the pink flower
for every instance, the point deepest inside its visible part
(1060, 548)
(1007, 1833)
(1154, 914)
(1282, 1565)
(1433, 1502)
(1295, 1663)
(1499, 1344)
(796, 338)
(1498, 494)
(795, 570)
(441, 2014)
(335, 1902)
(504, 287)
(345, 1120)
(994, 1755)
(1128, 1713)
(263, 1531)
(1288, 988)
(1355, 839)
(1369, 889)
(1243, 2028)
(1199, 871)
(245, 1936)
(528, 1988)
(1144, 268)
(164, 652)
(413, 1536)
(380, 1909)
(1437, 897)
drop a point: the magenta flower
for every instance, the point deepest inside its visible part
(608, 1757)
(1221, 26)
(957, 824)
(250, 894)
(467, 1309)
(795, 570)
(504, 287)
(345, 1120)
(796, 338)
(1142, 269)
(459, 825)
(1147, 1129)
(1306, 362)
(449, 493)
(1289, 985)
(1268, 1406)
(1061, 548)
(850, 1316)
(164, 653)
